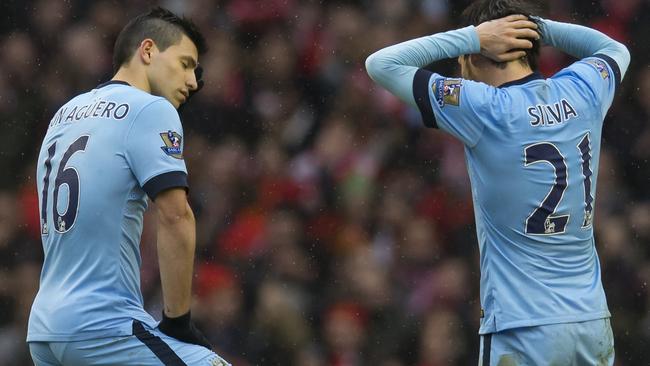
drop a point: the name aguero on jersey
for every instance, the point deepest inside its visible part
(551, 114)
(99, 108)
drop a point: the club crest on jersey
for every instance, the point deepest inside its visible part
(447, 91)
(172, 142)
(600, 66)
(588, 219)
(549, 226)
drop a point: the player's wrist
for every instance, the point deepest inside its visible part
(183, 329)
(465, 40)
(180, 321)
(542, 29)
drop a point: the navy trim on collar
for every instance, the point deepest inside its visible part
(534, 76)
(112, 82)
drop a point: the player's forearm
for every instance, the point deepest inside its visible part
(581, 42)
(393, 67)
(176, 245)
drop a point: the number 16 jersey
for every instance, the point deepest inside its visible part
(532, 148)
(103, 153)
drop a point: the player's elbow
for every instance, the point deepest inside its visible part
(176, 216)
(619, 53)
(173, 209)
(373, 65)
(625, 58)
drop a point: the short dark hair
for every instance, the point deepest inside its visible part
(483, 10)
(162, 26)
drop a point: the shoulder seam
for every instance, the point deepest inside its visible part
(128, 132)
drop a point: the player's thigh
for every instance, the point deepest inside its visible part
(146, 347)
(595, 343)
(525, 347)
(570, 344)
(42, 355)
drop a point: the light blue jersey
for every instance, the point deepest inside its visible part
(103, 153)
(532, 148)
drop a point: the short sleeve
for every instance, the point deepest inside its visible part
(596, 77)
(154, 148)
(460, 107)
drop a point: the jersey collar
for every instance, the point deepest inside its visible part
(533, 76)
(112, 82)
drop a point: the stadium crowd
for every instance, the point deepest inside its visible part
(333, 227)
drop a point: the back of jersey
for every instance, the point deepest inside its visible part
(534, 171)
(532, 148)
(92, 168)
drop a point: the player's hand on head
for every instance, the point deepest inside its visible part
(505, 39)
(183, 329)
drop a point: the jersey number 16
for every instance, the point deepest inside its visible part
(64, 175)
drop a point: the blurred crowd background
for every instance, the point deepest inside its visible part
(332, 227)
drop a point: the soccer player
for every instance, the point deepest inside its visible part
(104, 153)
(532, 147)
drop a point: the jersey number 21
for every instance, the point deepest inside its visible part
(543, 221)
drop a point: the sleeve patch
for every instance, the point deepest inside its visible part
(600, 66)
(173, 145)
(447, 91)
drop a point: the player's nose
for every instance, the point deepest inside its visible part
(191, 82)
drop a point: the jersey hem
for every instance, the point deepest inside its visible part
(119, 331)
(543, 321)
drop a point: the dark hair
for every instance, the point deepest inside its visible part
(159, 24)
(483, 10)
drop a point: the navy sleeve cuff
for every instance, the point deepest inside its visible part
(613, 65)
(421, 95)
(165, 181)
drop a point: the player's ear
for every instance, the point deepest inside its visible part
(146, 49)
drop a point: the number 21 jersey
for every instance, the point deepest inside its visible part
(532, 148)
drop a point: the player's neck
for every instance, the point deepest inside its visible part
(496, 76)
(135, 78)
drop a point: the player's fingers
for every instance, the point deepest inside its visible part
(523, 24)
(510, 56)
(521, 43)
(526, 33)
